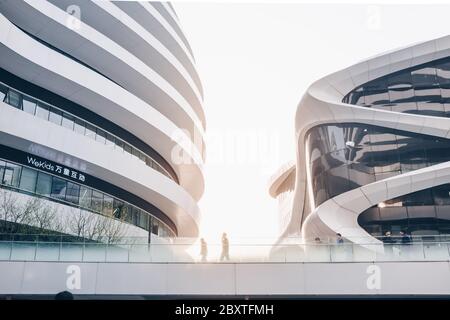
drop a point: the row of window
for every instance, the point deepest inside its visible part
(420, 90)
(344, 157)
(425, 212)
(61, 118)
(39, 183)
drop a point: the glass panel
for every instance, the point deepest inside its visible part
(73, 192)
(90, 131)
(55, 116)
(44, 184)
(441, 195)
(127, 148)
(135, 217)
(58, 188)
(2, 170)
(3, 92)
(117, 209)
(29, 105)
(109, 139)
(155, 226)
(42, 111)
(85, 197)
(11, 175)
(80, 126)
(101, 136)
(107, 205)
(97, 201)
(119, 144)
(14, 98)
(28, 179)
(143, 220)
(68, 121)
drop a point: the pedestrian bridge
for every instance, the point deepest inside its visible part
(174, 269)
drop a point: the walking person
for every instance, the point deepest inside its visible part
(339, 239)
(203, 250)
(225, 248)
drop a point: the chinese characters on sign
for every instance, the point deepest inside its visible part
(55, 168)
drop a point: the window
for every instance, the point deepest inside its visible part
(90, 131)
(58, 188)
(2, 169)
(135, 216)
(109, 139)
(101, 136)
(42, 111)
(155, 226)
(85, 197)
(107, 205)
(68, 121)
(117, 209)
(14, 99)
(119, 144)
(143, 221)
(44, 184)
(29, 105)
(11, 175)
(97, 201)
(127, 148)
(3, 92)
(79, 126)
(28, 179)
(73, 192)
(55, 116)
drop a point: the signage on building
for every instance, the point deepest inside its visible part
(55, 168)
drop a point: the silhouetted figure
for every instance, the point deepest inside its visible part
(64, 295)
(203, 249)
(405, 238)
(225, 248)
(339, 239)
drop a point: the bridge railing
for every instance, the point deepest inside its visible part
(138, 250)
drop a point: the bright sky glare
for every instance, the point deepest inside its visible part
(255, 62)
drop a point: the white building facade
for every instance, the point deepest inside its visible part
(372, 150)
(101, 121)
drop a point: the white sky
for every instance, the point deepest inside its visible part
(255, 62)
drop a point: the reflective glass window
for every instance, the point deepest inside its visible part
(90, 131)
(80, 126)
(28, 179)
(58, 188)
(14, 98)
(109, 139)
(97, 201)
(73, 192)
(2, 169)
(42, 111)
(55, 116)
(29, 105)
(11, 175)
(101, 136)
(118, 207)
(85, 197)
(3, 92)
(68, 121)
(44, 184)
(107, 205)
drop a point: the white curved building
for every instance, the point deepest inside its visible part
(373, 150)
(102, 124)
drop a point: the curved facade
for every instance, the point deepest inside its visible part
(102, 120)
(373, 149)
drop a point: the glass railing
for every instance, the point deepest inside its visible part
(45, 248)
(65, 119)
